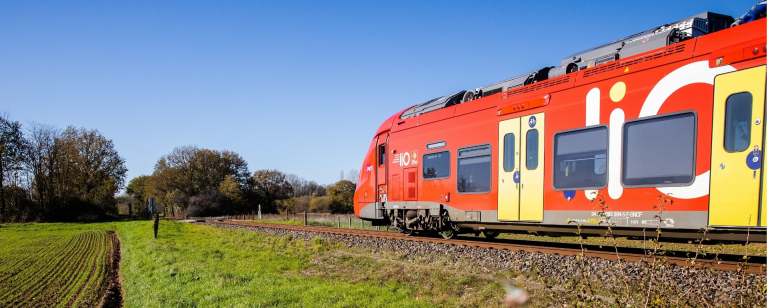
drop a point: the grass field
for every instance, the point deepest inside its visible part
(53, 265)
(188, 265)
(198, 266)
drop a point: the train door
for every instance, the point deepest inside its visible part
(509, 173)
(532, 167)
(381, 172)
(737, 149)
(521, 160)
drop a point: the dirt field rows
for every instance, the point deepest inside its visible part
(55, 269)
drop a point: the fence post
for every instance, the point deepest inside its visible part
(305, 218)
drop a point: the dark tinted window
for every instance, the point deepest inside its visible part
(436, 165)
(509, 152)
(580, 159)
(474, 170)
(660, 151)
(532, 149)
(382, 154)
(738, 116)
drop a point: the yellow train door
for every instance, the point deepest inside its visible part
(509, 173)
(532, 168)
(521, 168)
(737, 146)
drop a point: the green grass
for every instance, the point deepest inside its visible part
(199, 266)
(53, 265)
(192, 265)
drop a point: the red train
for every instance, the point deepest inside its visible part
(625, 122)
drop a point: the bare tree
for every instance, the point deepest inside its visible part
(11, 156)
(271, 186)
(352, 176)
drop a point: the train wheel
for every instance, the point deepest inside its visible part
(448, 234)
(490, 234)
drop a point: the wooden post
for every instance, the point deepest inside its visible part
(155, 225)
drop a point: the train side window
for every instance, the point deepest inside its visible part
(580, 159)
(738, 118)
(660, 151)
(474, 170)
(436, 165)
(509, 152)
(382, 154)
(532, 149)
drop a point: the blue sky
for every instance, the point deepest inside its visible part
(296, 86)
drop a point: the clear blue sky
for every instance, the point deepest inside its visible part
(296, 86)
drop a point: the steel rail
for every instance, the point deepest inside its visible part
(755, 265)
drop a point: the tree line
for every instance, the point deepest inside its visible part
(74, 174)
(194, 182)
(52, 174)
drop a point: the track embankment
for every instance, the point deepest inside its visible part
(754, 265)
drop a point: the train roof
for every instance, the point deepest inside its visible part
(631, 46)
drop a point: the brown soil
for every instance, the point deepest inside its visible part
(114, 294)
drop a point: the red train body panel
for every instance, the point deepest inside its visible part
(674, 82)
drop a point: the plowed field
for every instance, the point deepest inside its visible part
(62, 269)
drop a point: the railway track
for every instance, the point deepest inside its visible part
(726, 262)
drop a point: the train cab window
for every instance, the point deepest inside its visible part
(580, 159)
(738, 118)
(532, 149)
(474, 170)
(660, 151)
(509, 152)
(382, 154)
(436, 165)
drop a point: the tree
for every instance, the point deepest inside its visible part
(302, 187)
(190, 171)
(270, 186)
(96, 169)
(72, 174)
(11, 156)
(342, 196)
(42, 155)
(353, 176)
(140, 189)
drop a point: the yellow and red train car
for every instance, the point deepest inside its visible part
(682, 122)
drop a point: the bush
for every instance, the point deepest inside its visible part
(320, 204)
(212, 203)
